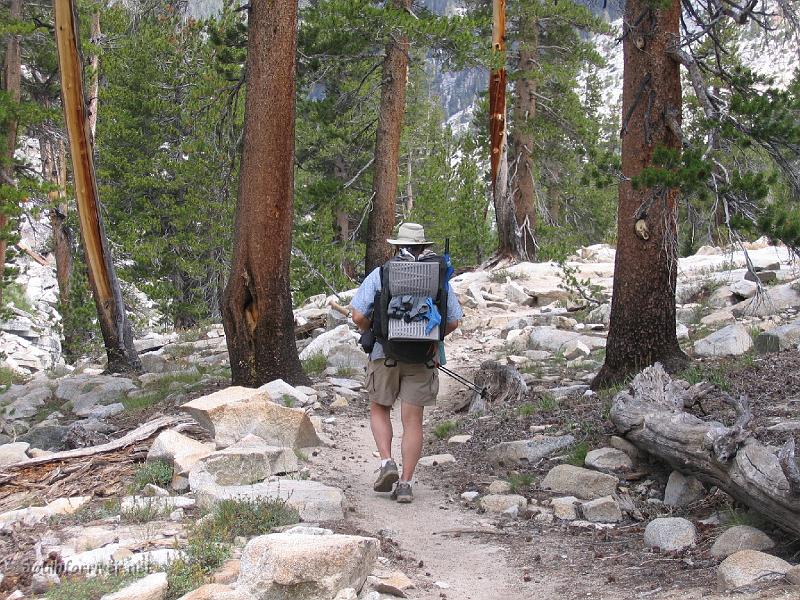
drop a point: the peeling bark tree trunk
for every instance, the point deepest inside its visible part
(652, 417)
(523, 189)
(94, 86)
(106, 291)
(257, 305)
(12, 78)
(380, 224)
(642, 328)
(62, 237)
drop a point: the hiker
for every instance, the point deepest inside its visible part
(402, 333)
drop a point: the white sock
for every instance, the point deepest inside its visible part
(384, 462)
(404, 481)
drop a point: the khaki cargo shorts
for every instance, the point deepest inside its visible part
(415, 384)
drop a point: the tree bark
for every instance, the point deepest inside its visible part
(523, 188)
(257, 304)
(12, 79)
(651, 416)
(94, 86)
(642, 328)
(62, 237)
(114, 324)
(380, 223)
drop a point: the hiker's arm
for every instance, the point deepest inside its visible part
(451, 327)
(362, 321)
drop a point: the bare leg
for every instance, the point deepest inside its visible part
(380, 418)
(412, 438)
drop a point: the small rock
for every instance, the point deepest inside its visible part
(740, 537)
(602, 510)
(470, 496)
(346, 594)
(580, 482)
(339, 402)
(176, 515)
(750, 566)
(285, 394)
(499, 487)
(396, 584)
(13, 453)
(436, 459)
(459, 439)
(670, 534)
(609, 460)
(732, 340)
(153, 490)
(682, 490)
(565, 508)
(793, 575)
(575, 349)
(498, 503)
(152, 587)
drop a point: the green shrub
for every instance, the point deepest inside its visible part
(157, 472)
(444, 429)
(315, 364)
(577, 455)
(209, 541)
(88, 589)
(520, 481)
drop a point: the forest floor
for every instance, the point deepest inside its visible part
(454, 551)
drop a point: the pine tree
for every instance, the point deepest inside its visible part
(257, 308)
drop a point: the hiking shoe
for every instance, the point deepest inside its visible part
(402, 493)
(387, 477)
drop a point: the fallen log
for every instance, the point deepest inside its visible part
(304, 330)
(652, 416)
(142, 432)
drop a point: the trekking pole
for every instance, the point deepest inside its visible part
(462, 380)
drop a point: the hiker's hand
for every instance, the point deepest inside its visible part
(361, 320)
(451, 327)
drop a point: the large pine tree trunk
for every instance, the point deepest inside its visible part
(12, 78)
(642, 329)
(257, 305)
(387, 149)
(106, 291)
(523, 190)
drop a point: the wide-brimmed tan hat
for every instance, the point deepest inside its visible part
(410, 234)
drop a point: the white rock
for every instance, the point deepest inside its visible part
(279, 390)
(732, 340)
(575, 349)
(740, 537)
(324, 343)
(498, 503)
(436, 459)
(249, 461)
(498, 486)
(159, 504)
(178, 450)
(13, 453)
(305, 567)
(459, 439)
(747, 567)
(778, 298)
(470, 496)
(152, 587)
(670, 534)
(234, 412)
(602, 510)
(744, 288)
(565, 508)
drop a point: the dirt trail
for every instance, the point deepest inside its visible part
(474, 570)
